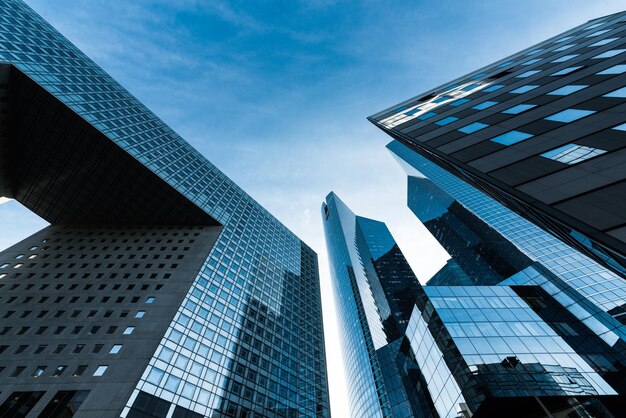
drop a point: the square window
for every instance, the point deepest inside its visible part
(493, 88)
(616, 69)
(604, 42)
(570, 115)
(523, 89)
(473, 127)
(511, 137)
(565, 58)
(528, 73)
(100, 370)
(565, 71)
(569, 89)
(446, 121)
(155, 376)
(518, 109)
(609, 54)
(484, 105)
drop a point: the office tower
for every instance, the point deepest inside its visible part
(541, 131)
(375, 291)
(160, 289)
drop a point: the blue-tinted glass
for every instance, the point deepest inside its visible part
(563, 39)
(493, 88)
(524, 89)
(604, 42)
(621, 127)
(518, 109)
(570, 115)
(528, 73)
(617, 93)
(427, 115)
(446, 121)
(616, 69)
(505, 64)
(611, 53)
(600, 32)
(473, 127)
(484, 105)
(566, 70)
(569, 89)
(511, 137)
(532, 61)
(475, 76)
(459, 102)
(573, 153)
(564, 47)
(533, 52)
(565, 58)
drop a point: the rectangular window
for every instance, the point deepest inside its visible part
(115, 349)
(459, 102)
(473, 127)
(427, 115)
(570, 115)
(565, 71)
(565, 58)
(528, 73)
(493, 88)
(511, 137)
(617, 93)
(129, 330)
(616, 69)
(518, 109)
(609, 54)
(603, 42)
(484, 105)
(523, 89)
(572, 153)
(446, 121)
(531, 62)
(569, 89)
(100, 370)
(564, 47)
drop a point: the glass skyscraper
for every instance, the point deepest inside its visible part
(160, 289)
(542, 131)
(375, 292)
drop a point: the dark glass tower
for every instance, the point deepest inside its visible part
(542, 131)
(375, 292)
(160, 289)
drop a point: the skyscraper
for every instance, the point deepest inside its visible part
(375, 291)
(160, 288)
(541, 131)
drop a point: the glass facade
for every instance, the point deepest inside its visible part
(539, 132)
(375, 291)
(247, 338)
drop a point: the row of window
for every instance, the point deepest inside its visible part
(60, 348)
(58, 371)
(75, 299)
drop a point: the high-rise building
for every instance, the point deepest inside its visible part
(375, 292)
(542, 131)
(160, 289)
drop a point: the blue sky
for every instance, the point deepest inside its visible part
(276, 93)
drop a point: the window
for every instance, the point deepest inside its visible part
(565, 58)
(459, 102)
(621, 127)
(100, 370)
(569, 89)
(565, 71)
(484, 105)
(604, 42)
(523, 89)
(426, 115)
(533, 52)
(38, 371)
(511, 137)
(115, 349)
(79, 370)
(616, 69)
(129, 330)
(528, 73)
(446, 121)
(518, 109)
(564, 47)
(563, 39)
(572, 153)
(493, 88)
(570, 115)
(150, 299)
(617, 93)
(473, 127)
(609, 54)
(59, 370)
(530, 62)
(140, 314)
(600, 32)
